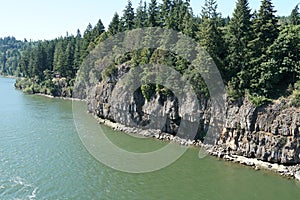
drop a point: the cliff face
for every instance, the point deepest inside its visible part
(269, 133)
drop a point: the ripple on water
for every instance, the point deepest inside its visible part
(17, 188)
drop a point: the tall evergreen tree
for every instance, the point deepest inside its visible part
(87, 38)
(68, 68)
(239, 35)
(58, 59)
(49, 47)
(265, 28)
(295, 16)
(141, 15)
(209, 10)
(97, 30)
(38, 64)
(189, 25)
(95, 33)
(114, 26)
(77, 58)
(165, 14)
(209, 35)
(153, 14)
(128, 16)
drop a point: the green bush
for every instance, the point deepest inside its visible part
(295, 100)
(258, 100)
(28, 90)
(112, 69)
(148, 90)
(297, 85)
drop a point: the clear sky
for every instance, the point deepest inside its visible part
(48, 19)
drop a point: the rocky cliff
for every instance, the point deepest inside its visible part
(269, 133)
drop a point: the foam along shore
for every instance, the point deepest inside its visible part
(292, 171)
(286, 171)
(54, 97)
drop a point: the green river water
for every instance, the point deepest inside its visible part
(42, 157)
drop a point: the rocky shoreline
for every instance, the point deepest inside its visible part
(292, 171)
(55, 97)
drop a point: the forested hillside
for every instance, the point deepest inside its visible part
(10, 55)
(257, 52)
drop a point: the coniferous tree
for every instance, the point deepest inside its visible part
(4, 70)
(24, 63)
(128, 16)
(209, 35)
(265, 29)
(38, 63)
(95, 33)
(209, 10)
(239, 35)
(165, 14)
(295, 16)
(114, 26)
(77, 53)
(153, 14)
(188, 22)
(58, 58)
(97, 30)
(182, 14)
(141, 16)
(87, 39)
(68, 68)
(49, 47)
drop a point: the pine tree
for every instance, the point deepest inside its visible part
(295, 16)
(183, 15)
(38, 64)
(49, 47)
(4, 70)
(209, 35)
(265, 28)
(97, 30)
(209, 10)
(239, 35)
(141, 16)
(128, 16)
(189, 26)
(87, 38)
(58, 56)
(165, 13)
(153, 14)
(77, 57)
(113, 27)
(68, 69)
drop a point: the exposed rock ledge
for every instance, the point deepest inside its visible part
(269, 133)
(286, 171)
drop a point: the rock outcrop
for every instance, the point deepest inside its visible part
(269, 133)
